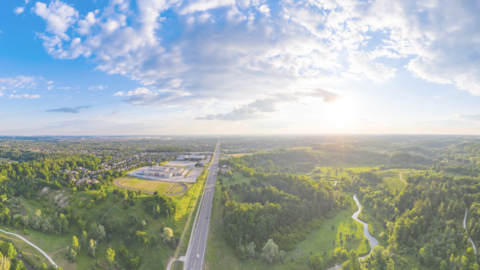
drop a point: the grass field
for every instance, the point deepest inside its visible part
(152, 186)
(220, 255)
(239, 154)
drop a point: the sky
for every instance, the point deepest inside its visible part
(161, 67)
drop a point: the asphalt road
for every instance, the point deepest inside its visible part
(196, 249)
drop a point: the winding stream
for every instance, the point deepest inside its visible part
(372, 240)
(465, 226)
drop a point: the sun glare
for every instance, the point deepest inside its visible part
(341, 114)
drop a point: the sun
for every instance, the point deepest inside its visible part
(341, 114)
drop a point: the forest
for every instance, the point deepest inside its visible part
(419, 226)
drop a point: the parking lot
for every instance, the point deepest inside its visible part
(191, 177)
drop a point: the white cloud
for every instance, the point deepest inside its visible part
(18, 10)
(58, 15)
(297, 47)
(19, 82)
(64, 88)
(25, 96)
(145, 97)
(97, 87)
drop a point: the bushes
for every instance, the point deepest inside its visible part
(128, 258)
(316, 262)
(168, 205)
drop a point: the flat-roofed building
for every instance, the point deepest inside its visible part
(164, 171)
(191, 157)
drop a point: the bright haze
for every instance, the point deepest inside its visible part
(118, 67)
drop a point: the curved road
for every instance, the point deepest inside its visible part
(185, 188)
(198, 239)
(26, 241)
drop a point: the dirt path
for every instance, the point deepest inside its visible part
(184, 188)
(26, 241)
(400, 174)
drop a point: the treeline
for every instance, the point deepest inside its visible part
(303, 161)
(408, 159)
(282, 207)
(276, 162)
(334, 153)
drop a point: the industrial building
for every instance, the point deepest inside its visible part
(163, 171)
(191, 157)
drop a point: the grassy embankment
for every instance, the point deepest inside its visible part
(151, 256)
(221, 256)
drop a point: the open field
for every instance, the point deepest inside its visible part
(152, 186)
(239, 154)
(222, 256)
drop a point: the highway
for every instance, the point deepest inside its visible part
(196, 249)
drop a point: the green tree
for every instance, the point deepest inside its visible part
(71, 254)
(75, 245)
(84, 239)
(8, 250)
(110, 256)
(142, 237)
(250, 250)
(5, 263)
(270, 251)
(316, 262)
(81, 224)
(167, 235)
(92, 247)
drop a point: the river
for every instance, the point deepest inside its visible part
(372, 240)
(465, 226)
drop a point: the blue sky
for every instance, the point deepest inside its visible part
(150, 67)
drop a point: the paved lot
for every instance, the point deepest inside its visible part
(188, 164)
(191, 178)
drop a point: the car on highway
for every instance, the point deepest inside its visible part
(198, 256)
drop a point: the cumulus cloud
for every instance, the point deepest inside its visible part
(18, 10)
(58, 16)
(258, 50)
(261, 107)
(97, 87)
(69, 110)
(25, 96)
